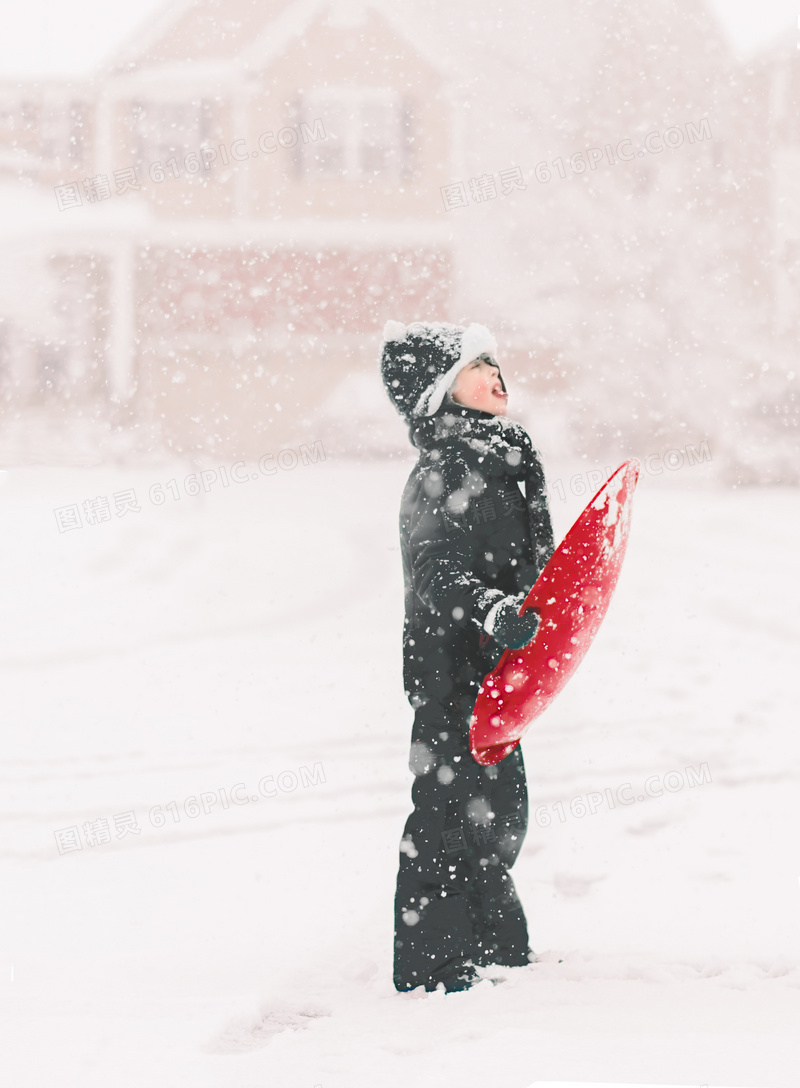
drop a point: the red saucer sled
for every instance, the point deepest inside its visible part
(571, 595)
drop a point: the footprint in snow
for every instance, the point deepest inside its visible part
(257, 1029)
(574, 886)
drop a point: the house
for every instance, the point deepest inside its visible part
(216, 227)
(778, 74)
(274, 173)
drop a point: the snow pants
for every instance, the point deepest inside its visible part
(455, 901)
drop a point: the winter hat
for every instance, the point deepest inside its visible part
(419, 362)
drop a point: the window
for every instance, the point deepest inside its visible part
(19, 129)
(71, 360)
(62, 131)
(367, 133)
(162, 130)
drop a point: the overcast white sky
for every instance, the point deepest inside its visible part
(72, 37)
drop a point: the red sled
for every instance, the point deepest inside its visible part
(571, 595)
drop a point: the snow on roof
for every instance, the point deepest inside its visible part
(197, 32)
(207, 29)
(179, 79)
(277, 35)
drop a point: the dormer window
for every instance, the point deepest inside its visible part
(163, 129)
(367, 134)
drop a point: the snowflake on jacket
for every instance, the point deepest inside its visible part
(469, 537)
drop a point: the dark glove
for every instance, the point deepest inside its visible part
(507, 627)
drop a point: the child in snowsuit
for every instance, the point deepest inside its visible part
(472, 546)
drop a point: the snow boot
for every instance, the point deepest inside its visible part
(499, 957)
(458, 978)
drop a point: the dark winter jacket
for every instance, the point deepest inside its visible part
(469, 536)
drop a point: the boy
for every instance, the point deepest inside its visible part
(472, 546)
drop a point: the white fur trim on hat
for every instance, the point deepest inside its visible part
(394, 330)
(477, 340)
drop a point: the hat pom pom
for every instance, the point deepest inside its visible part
(394, 330)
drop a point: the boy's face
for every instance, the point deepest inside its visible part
(478, 386)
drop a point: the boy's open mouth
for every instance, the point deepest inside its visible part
(497, 390)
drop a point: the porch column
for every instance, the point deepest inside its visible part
(122, 323)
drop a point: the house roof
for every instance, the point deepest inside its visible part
(197, 29)
(297, 17)
(502, 62)
(247, 33)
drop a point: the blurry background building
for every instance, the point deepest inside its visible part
(201, 244)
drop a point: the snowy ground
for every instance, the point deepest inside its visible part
(239, 636)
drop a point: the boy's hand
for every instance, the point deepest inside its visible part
(507, 627)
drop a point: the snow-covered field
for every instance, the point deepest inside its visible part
(244, 646)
